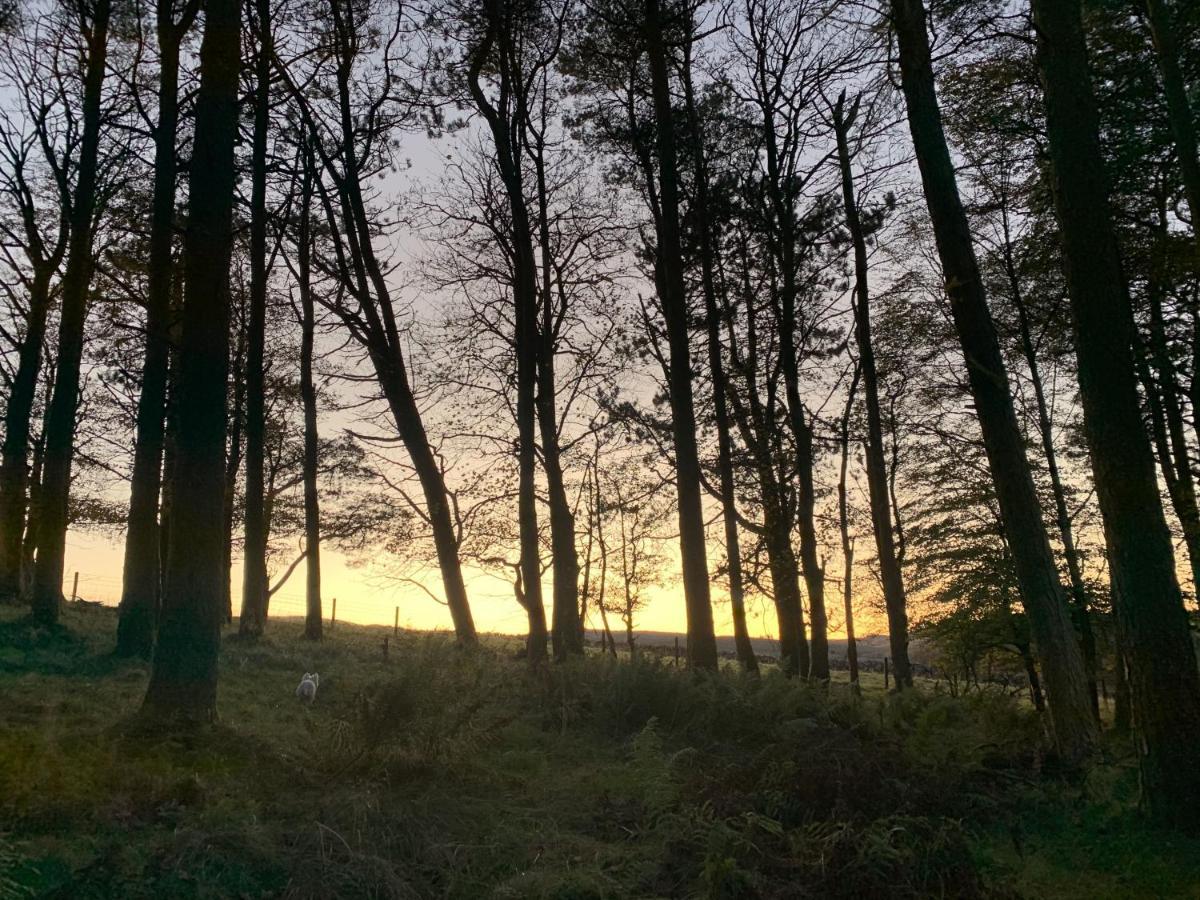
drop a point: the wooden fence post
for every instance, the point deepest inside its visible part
(676, 651)
(75, 589)
(333, 615)
(885, 673)
(396, 626)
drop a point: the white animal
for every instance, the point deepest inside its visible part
(307, 689)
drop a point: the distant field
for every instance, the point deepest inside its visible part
(440, 773)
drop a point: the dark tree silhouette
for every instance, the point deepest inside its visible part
(141, 576)
(1163, 674)
(1074, 728)
(55, 488)
(183, 681)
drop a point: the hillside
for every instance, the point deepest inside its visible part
(438, 773)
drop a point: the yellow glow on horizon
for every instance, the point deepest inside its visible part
(365, 597)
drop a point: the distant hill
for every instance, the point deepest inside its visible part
(872, 648)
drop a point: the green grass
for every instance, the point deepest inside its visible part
(439, 773)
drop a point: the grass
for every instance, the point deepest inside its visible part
(439, 773)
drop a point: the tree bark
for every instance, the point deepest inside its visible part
(255, 584)
(183, 682)
(701, 642)
(894, 598)
(46, 591)
(308, 394)
(566, 624)
(18, 416)
(1162, 660)
(236, 421)
(1072, 725)
(847, 539)
(141, 577)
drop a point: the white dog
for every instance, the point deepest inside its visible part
(307, 689)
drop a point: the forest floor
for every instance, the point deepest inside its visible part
(439, 773)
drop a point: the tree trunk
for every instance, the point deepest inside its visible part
(233, 464)
(1072, 725)
(894, 597)
(1162, 660)
(566, 624)
(716, 367)
(760, 435)
(29, 544)
(1079, 596)
(170, 441)
(1031, 673)
(1122, 707)
(46, 590)
(255, 584)
(141, 574)
(183, 683)
(308, 395)
(847, 540)
(701, 642)
(18, 414)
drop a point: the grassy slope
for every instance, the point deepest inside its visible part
(442, 774)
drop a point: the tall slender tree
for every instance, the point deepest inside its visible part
(1163, 672)
(503, 46)
(183, 681)
(255, 586)
(1074, 729)
(141, 576)
(308, 395)
(716, 370)
(701, 642)
(54, 491)
(44, 245)
(347, 140)
(894, 597)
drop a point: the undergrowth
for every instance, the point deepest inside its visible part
(442, 773)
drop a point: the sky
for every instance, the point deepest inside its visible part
(364, 592)
(365, 596)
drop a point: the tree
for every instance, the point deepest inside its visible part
(777, 42)
(881, 512)
(308, 389)
(255, 586)
(701, 644)
(142, 571)
(501, 46)
(350, 144)
(1162, 660)
(183, 681)
(1074, 729)
(54, 491)
(716, 371)
(40, 153)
